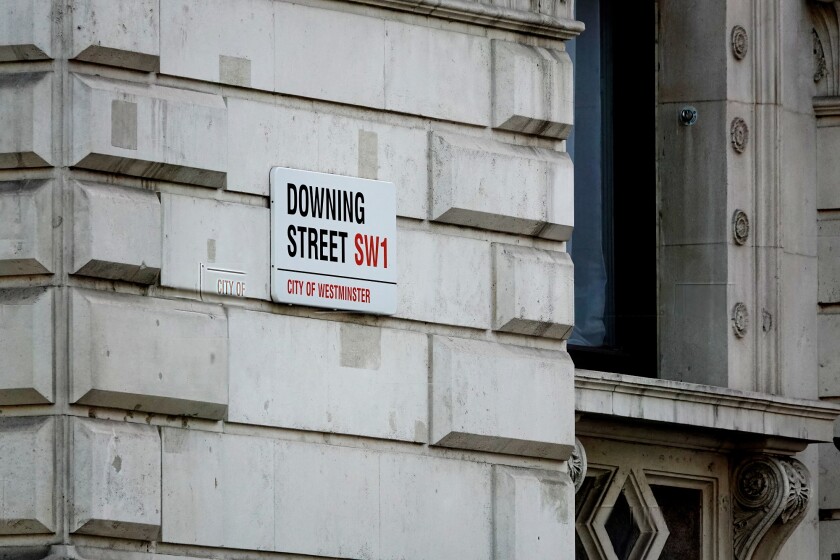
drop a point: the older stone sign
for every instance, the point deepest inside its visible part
(333, 241)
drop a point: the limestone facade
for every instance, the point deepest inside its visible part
(146, 415)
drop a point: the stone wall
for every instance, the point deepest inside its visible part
(141, 406)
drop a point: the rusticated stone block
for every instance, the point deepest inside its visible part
(456, 294)
(220, 236)
(25, 120)
(342, 514)
(518, 189)
(149, 131)
(434, 508)
(534, 291)
(347, 49)
(25, 30)
(26, 346)
(125, 34)
(219, 41)
(116, 233)
(506, 399)
(533, 89)
(116, 479)
(317, 141)
(26, 230)
(437, 73)
(148, 354)
(328, 377)
(322, 500)
(219, 489)
(532, 511)
(27, 469)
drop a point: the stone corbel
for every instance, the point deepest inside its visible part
(770, 496)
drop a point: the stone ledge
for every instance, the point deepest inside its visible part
(488, 16)
(703, 406)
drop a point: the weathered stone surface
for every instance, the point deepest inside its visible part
(693, 295)
(798, 350)
(506, 399)
(482, 183)
(27, 467)
(263, 494)
(828, 167)
(828, 327)
(148, 354)
(116, 233)
(534, 291)
(348, 50)
(26, 229)
(341, 487)
(683, 35)
(533, 89)
(116, 479)
(532, 513)
(434, 508)
(327, 376)
(25, 120)
(303, 139)
(218, 236)
(218, 489)
(798, 190)
(25, 30)
(455, 294)
(149, 131)
(219, 41)
(829, 476)
(829, 538)
(26, 346)
(125, 34)
(437, 73)
(828, 260)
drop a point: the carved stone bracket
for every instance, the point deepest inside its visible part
(770, 496)
(578, 465)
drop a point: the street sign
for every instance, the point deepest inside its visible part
(333, 241)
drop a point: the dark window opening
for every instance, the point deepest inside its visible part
(614, 148)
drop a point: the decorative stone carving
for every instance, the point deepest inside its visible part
(766, 320)
(770, 496)
(578, 465)
(820, 69)
(740, 227)
(826, 33)
(740, 319)
(739, 42)
(739, 134)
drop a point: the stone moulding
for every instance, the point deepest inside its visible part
(770, 496)
(488, 15)
(703, 406)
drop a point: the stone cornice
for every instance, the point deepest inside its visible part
(827, 106)
(488, 15)
(704, 407)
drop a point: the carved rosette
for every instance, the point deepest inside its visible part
(739, 42)
(577, 465)
(739, 134)
(740, 227)
(740, 319)
(770, 496)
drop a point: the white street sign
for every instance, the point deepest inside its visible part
(333, 241)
